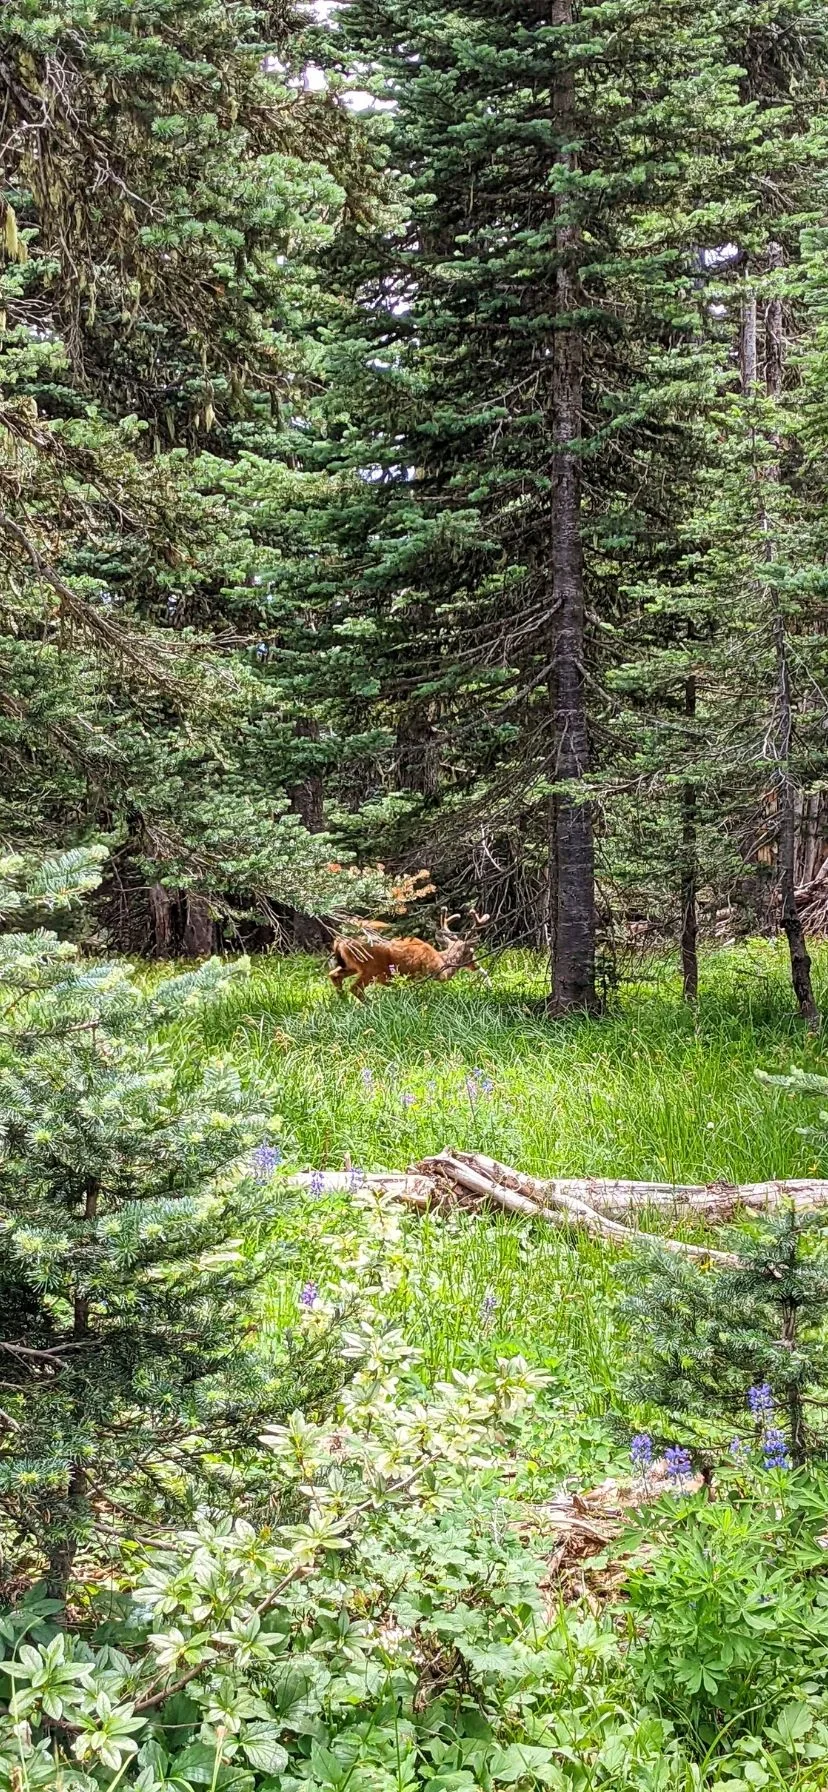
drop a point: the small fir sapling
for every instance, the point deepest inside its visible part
(133, 1214)
(711, 1344)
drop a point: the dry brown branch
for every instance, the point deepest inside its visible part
(585, 1203)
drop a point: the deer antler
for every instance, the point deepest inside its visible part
(479, 920)
(446, 920)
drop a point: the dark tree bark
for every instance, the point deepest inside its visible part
(418, 750)
(689, 870)
(199, 934)
(781, 737)
(573, 883)
(161, 914)
(307, 798)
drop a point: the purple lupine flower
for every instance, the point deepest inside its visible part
(408, 1100)
(679, 1463)
(355, 1179)
(738, 1450)
(760, 1400)
(641, 1452)
(488, 1308)
(367, 1078)
(317, 1183)
(308, 1295)
(265, 1160)
(775, 1448)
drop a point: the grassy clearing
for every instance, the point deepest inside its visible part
(652, 1091)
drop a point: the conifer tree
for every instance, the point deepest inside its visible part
(133, 1208)
(515, 385)
(165, 177)
(703, 1339)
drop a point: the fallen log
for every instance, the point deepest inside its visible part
(585, 1203)
(552, 1203)
(713, 1200)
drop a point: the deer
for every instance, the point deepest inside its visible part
(356, 962)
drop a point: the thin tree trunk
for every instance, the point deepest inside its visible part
(780, 736)
(160, 904)
(63, 1547)
(573, 974)
(307, 797)
(689, 870)
(197, 940)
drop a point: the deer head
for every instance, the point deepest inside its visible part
(458, 948)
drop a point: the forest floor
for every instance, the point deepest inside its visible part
(652, 1091)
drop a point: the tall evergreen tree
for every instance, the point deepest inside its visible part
(165, 173)
(515, 386)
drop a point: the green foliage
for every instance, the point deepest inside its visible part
(150, 296)
(132, 1223)
(713, 1334)
(729, 1612)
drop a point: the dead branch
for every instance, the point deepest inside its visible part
(586, 1203)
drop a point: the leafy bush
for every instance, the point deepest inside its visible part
(731, 1606)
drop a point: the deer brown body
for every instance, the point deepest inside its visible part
(356, 962)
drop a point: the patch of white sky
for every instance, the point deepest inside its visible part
(325, 12)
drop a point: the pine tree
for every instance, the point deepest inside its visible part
(150, 303)
(134, 1204)
(515, 387)
(712, 1346)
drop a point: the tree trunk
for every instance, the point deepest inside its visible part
(160, 905)
(418, 748)
(197, 940)
(689, 871)
(307, 797)
(780, 736)
(573, 972)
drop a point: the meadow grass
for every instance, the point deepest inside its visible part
(652, 1090)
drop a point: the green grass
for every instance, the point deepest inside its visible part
(654, 1090)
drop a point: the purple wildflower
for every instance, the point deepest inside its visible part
(738, 1450)
(478, 1083)
(317, 1184)
(775, 1448)
(641, 1452)
(355, 1179)
(265, 1160)
(408, 1100)
(367, 1078)
(679, 1463)
(760, 1400)
(308, 1295)
(488, 1308)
